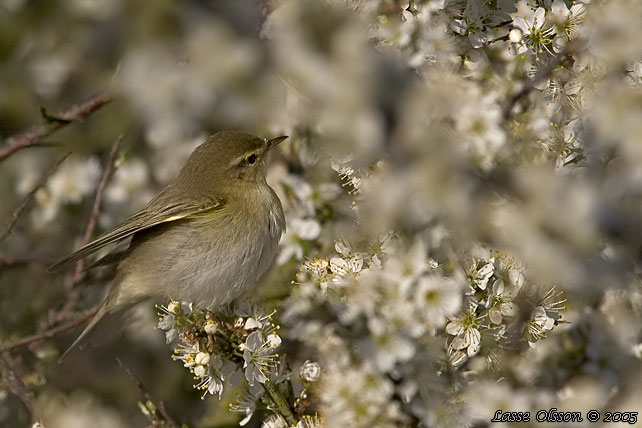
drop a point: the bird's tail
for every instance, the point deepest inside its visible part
(102, 312)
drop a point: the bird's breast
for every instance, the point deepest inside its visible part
(212, 259)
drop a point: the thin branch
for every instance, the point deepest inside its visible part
(542, 74)
(31, 137)
(414, 420)
(280, 402)
(11, 220)
(17, 386)
(108, 170)
(73, 294)
(158, 404)
(49, 333)
(504, 38)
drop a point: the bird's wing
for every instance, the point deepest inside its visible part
(154, 214)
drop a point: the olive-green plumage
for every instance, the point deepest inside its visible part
(205, 238)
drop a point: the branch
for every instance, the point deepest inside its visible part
(108, 170)
(280, 403)
(31, 137)
(499, 39)
(542, 74)
(158, 404)
(17, 386)
(49, 333)
(74, 295)
(11, 220)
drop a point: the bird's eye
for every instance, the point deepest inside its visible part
(251, 159)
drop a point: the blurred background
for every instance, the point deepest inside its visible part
(499, 143)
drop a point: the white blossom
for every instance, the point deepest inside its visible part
(436, 299)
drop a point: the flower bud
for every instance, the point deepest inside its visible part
(202, 358)
(310, 371)
(515, 35)
(210, 327)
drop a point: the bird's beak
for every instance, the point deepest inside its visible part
(274, 142)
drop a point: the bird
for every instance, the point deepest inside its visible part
(206, 238)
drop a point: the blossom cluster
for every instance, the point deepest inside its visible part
(397, 312)
(217, 348)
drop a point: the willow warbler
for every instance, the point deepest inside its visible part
(205, 238)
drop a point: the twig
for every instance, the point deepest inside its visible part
(541, 75)
(73, 294)
(108, 170)
(49, 333)
(498, 39)
(280, 402)
(17, 386)
(158, 404)
(11, 220)
(31, 137)
(414, 420)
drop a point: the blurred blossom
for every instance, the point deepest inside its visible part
(388, 346)
(13, 5)
(96, 9)
(437, 299)
(583, 394)
(291, 243)
(479, 122)
(321, 51)
(27, 174)
(485, 398)
(74, 180)
(143, 73)
(49, 70)
(354, 396)
(77, 410)
(129, 179)
(171, 151)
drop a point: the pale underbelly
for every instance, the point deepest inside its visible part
(186, 264)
